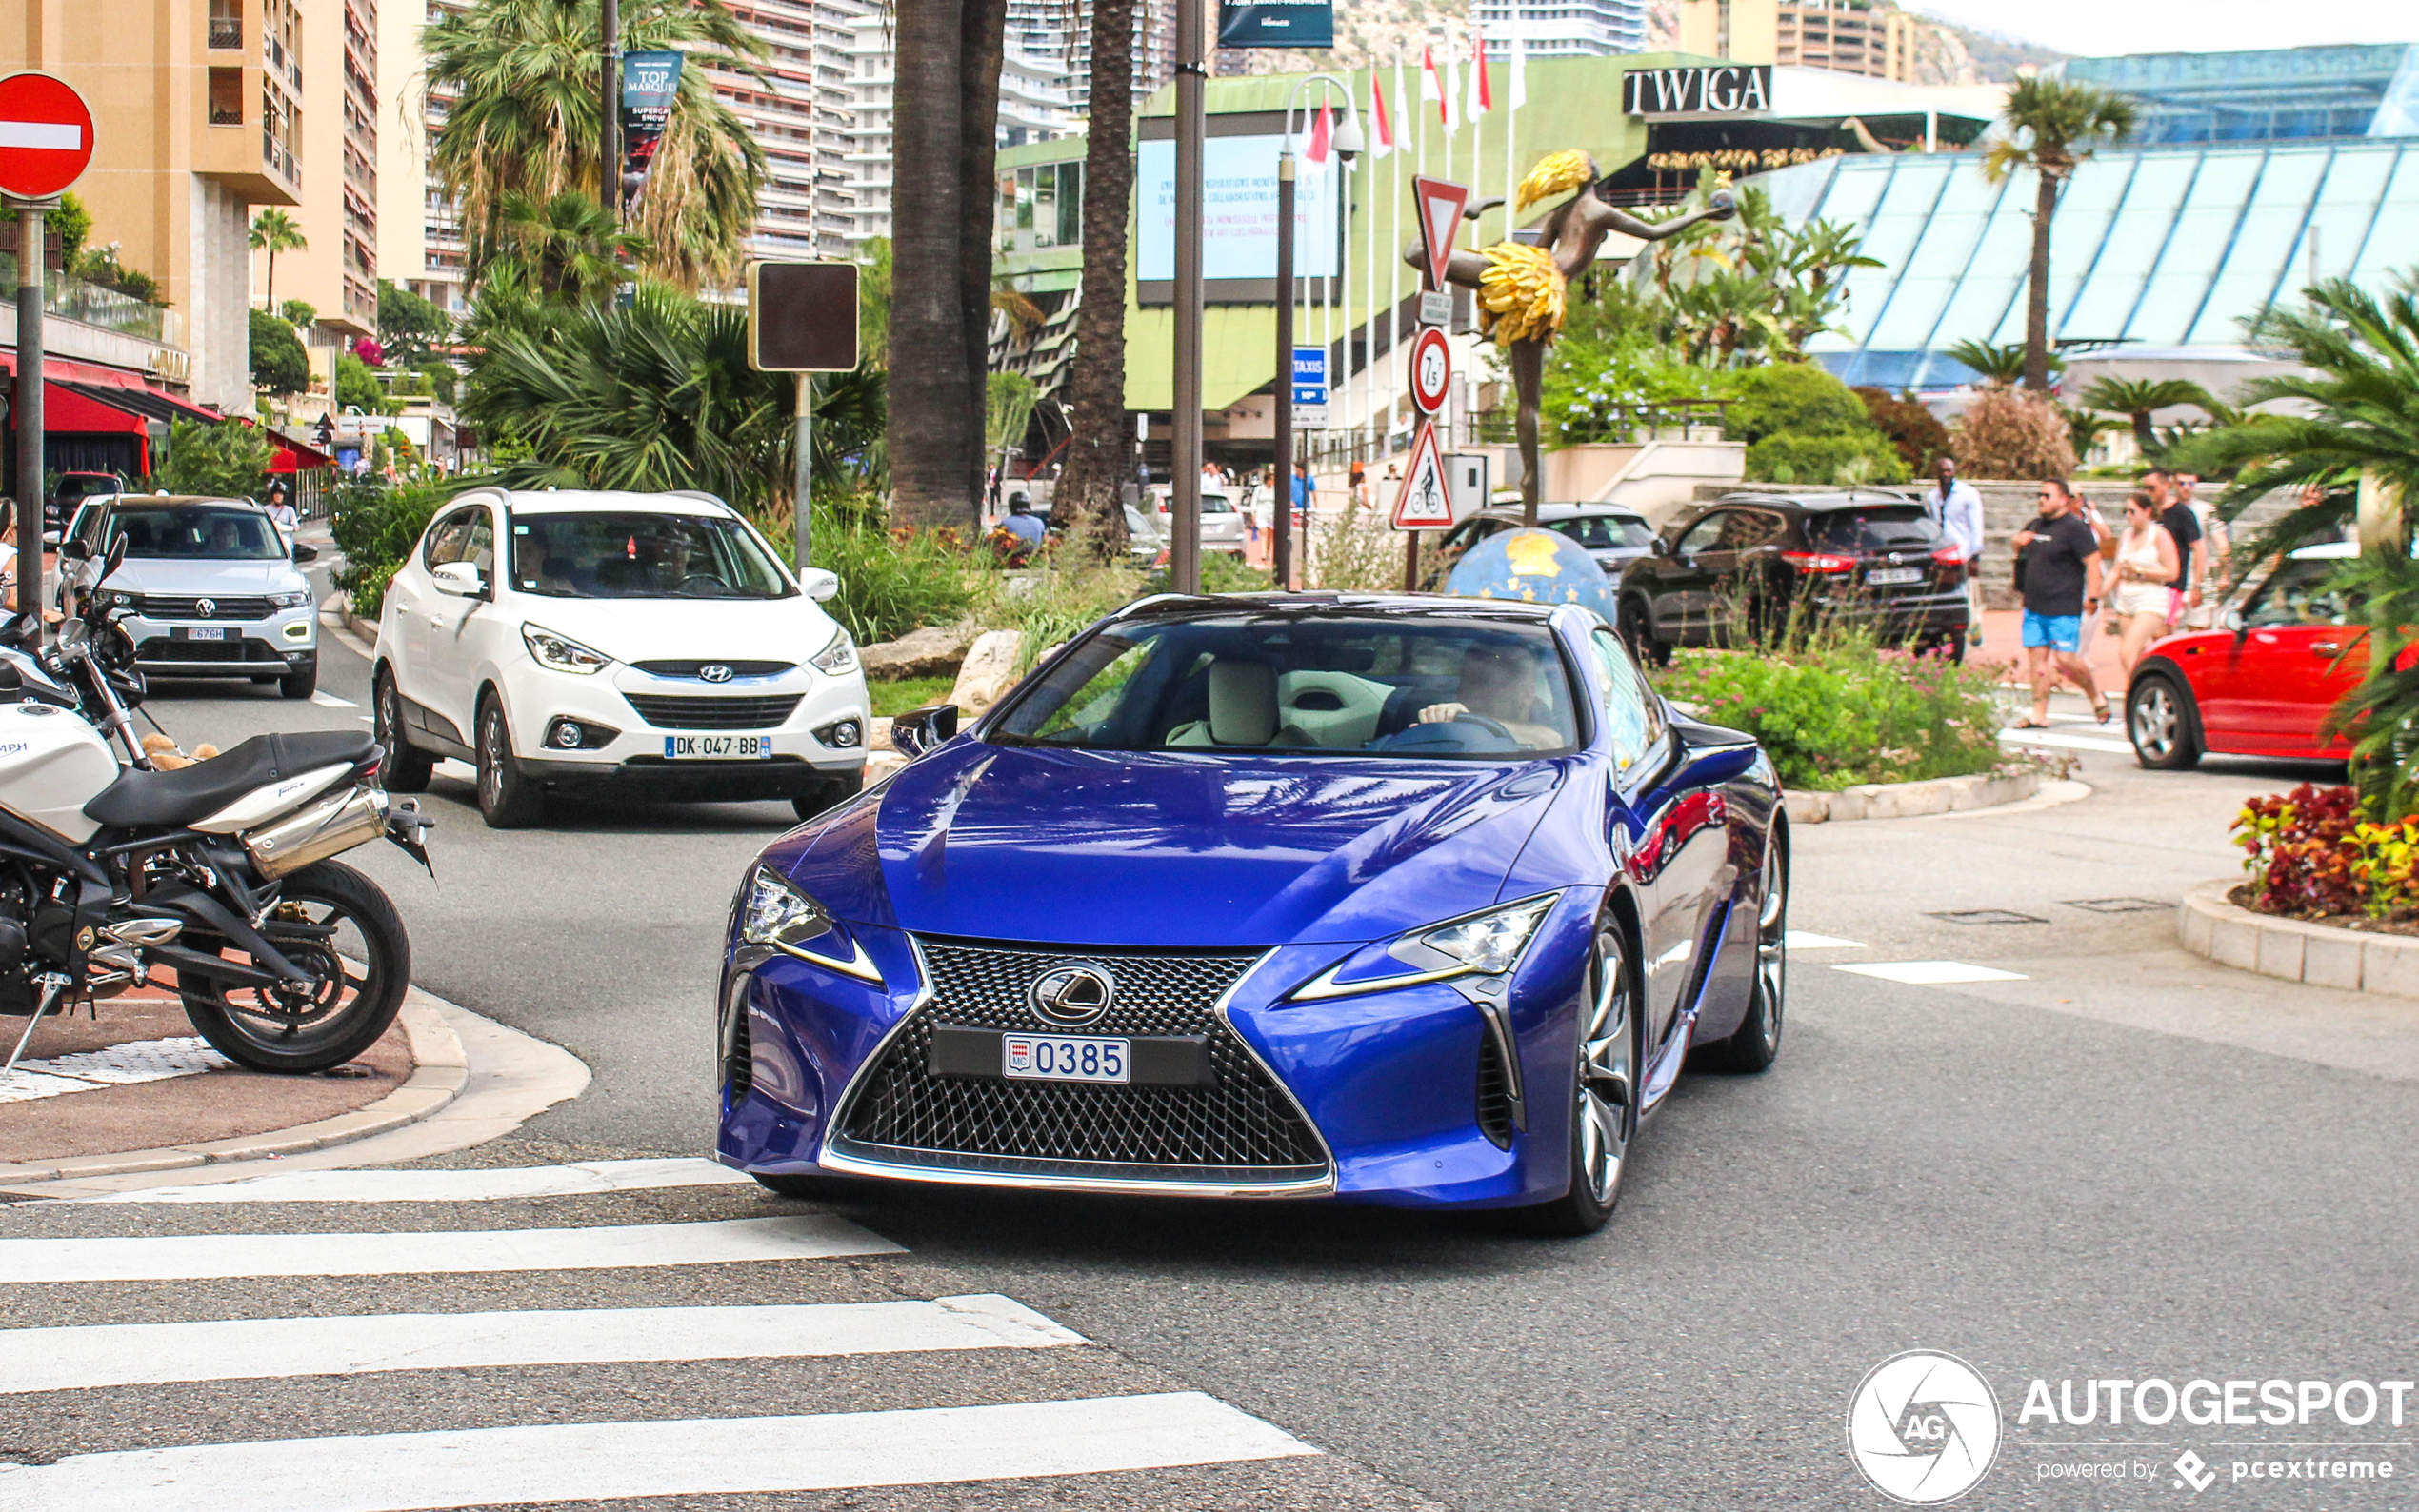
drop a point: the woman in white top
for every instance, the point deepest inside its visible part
(2146, 564)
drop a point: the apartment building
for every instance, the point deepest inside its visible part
(1564, 29)
(1871, 37)
(335, 68)
(419, 237)
(198, 118)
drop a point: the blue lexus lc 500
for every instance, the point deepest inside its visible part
(1404, 900)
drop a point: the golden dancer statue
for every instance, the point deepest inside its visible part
(1521, 288)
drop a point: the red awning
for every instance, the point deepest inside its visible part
(296, 456)
(82, 391)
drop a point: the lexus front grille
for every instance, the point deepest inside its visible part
(1235, 1126)
(672, 711)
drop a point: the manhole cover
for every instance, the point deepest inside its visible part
(1986, 916)
(2120, 905)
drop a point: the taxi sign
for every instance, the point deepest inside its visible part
(46, 135)
(1425, 502)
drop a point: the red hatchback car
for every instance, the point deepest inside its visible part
(2262, 684)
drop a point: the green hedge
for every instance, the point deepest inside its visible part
(1865, 456)
(376, 527)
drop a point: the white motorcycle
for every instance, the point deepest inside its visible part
(220, 873)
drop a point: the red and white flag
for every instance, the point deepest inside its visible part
(1435, 84)
(1381, 126)
(1481, 98)
(1519, 70)
(1453, 104)
(1322, 135)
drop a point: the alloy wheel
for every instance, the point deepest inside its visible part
(2156, 718)
(492, 760)
(1772, 942)
(1607, 1071)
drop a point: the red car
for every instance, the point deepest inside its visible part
(2263, 683)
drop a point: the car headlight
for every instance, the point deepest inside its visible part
(774, 913)
(562, 653)
(1478, 944)
(838, 658)
(290, 601)
(120, 600)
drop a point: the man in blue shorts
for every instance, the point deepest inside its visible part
(2058, 574)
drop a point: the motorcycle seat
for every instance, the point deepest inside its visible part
(141, 800)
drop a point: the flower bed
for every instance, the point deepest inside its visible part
(2312, 855)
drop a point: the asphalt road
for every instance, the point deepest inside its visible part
(2118, 1162)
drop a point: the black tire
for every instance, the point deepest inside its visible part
(1754, 1044)
(828, 793)
(302, 682)
(508, 798)
(1638, 628)
(405, 769)
(297, 1033)
(2163, 724)
(1604, 1120)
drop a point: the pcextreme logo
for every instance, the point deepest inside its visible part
(1923, 1427)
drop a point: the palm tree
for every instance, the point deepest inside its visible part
(946, 111)
(524, 120)
(569, 247)
(2000, 366)
(1096, 460)
(2137, 398)
(274, 232)
(2052, 127)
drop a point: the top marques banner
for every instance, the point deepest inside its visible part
(651, 81)
(1276, 23)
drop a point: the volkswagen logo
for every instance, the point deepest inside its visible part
(205, 608)
(715, 672)
(1075, 994)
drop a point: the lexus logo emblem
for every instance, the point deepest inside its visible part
(1075, 994)
(205, 608)
(715, 672)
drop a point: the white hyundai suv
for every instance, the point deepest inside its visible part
(647, 642)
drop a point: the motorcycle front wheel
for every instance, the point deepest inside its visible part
(335, 924)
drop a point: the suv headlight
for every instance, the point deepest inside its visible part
(772, 912)
(1478, 944)
(838, 658)
(562, 653)
(290, 601)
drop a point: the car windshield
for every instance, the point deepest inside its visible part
(615, 555)
(210, 532)
(1605, 532)
(1425, 687)
(1883, 527)
(2303, 591)
(84, 486)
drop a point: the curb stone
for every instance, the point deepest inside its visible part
(1938, 795)
(438, 1074)
(2292, 950)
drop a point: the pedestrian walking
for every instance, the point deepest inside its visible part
(2217, 550)
(1357, 486)
(2107, 538)
(2058, 576)
(2191, 549)
(2146, 560)
(1956, 508)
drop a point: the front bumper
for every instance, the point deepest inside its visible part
(285, 641)
(801, 719)
(1388, 1082)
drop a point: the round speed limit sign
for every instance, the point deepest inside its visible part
(1431, 369)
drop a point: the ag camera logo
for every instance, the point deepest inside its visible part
(1923, 1427)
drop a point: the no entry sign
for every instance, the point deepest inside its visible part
(46, 135)
(1431, 369)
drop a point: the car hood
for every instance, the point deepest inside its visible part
(649, 629)
(180, 575)
(1175, 849)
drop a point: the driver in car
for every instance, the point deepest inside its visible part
(670, 567)
(1500, 684)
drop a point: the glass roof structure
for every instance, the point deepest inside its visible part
(2283, 95)
(2158, 247)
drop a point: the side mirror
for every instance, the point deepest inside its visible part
(306, 554)
(821, 584)
(1659, 546)
(69, 551)
(458, 580)
(920, 730)
(2233, 620)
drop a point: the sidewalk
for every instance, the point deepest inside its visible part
(2003, 643)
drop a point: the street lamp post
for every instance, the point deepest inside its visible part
(609, 136)
(1348, 146)
(1183, 496)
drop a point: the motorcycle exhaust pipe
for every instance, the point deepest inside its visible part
(328, 828)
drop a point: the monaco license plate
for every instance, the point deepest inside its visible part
(1065, 1058)
(717, 747)
(203, 632)
(1892, 576)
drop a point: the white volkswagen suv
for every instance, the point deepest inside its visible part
(648, 642)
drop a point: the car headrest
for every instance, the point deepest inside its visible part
(1243, 702)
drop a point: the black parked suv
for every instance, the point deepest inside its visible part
(1730, 572)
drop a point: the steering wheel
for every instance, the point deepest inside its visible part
(1493, 726)
(701, 577)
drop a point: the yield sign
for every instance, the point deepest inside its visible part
(1424, 503)
(1439, 205)
(46, 135)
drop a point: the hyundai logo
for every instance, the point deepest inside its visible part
(715, 672)
(205, 608)
(1075, 994)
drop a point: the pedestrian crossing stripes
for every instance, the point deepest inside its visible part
(693, 1457)
(488, 1185)
(197, 1257)
(254, 1348)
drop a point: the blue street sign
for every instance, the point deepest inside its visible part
(1310, 375)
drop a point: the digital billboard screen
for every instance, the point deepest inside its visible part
(1238, 210)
